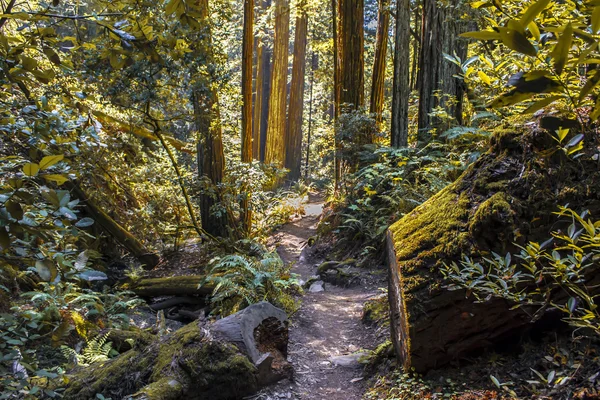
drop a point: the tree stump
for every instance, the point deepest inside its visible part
(229, 359)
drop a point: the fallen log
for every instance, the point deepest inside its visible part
(228, 359)
(147, 258)
(508, 196)
(188, 285)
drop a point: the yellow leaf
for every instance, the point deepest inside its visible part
(596, 20)
(535, 31)
(31, 169)
(533, 11)
(514, 38)
(57, 178)
(481, 35)
(483, 76)
(49, 161)
(538, 105)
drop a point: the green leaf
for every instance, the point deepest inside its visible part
(67, 212)
(15, 209)
(533, 11)
(481, 35)
(496, 381)
(31, 169)
(514, 38)
(84, 222)
(572, 304)
(52, 55)
(28, 63)
(49, 161)
(560, 54)
(538, 105)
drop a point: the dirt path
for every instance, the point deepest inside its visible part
(327, 337)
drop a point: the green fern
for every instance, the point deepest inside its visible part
(96, 350)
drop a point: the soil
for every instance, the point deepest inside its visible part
(328, 343)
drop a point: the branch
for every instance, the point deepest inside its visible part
(8, 10)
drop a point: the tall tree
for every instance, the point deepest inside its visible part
(440, 29)
(401, 89)
(211, 159)
(263, 90)
(337, 84)
(378, 80)
(275, 146)
(293, 152)
(352, 63)
(247, 47)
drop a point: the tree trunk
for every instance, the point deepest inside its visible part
(247, 47)
(221, 361)
(378, 80)
(352, 64)
(211, 159)
(416, 46)
(508, 196)
(401, 89)
(263, 91)
(275, 146)
(440, 29)
(293, 152)
(337, 84)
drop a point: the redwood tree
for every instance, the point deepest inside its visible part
(352, 63)
(275, 146)
(293, 151)
(439, 34)
(263, 90)
(378, 81)
(401, 90)
(247, 47)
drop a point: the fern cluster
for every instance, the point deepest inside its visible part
(241, 280)
(97, 349)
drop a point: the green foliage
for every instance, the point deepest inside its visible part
(393, 183)
(551, 275)
(241, 280)
(550, 46)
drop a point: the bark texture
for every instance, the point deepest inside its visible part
(352, 63)
(506, 197)
(247, 50)
(401, 89)
(293, 152)
(222, 361)
(275, 146)
(439, 34)
(378, 81)
(263, 90)
(172, 286)
(211, 159)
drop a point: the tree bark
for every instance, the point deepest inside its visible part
(263, 91)
(337, 84)
(440, 29)
(247, 47)
(211, 158)
(275, 146)
(352, 64)
(401, 88)
(221, 361)
(187, 285)
(378, 80)
(293, 153)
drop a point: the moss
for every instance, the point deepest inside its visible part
(436, 228)
(376, 311)
(164, 389)
(495, 210)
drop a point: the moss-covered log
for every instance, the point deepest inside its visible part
(228, 359)
(508, 196)
(188, 285)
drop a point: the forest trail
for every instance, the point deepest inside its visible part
(327, 337)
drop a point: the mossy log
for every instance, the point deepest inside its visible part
(505, 198)
(188, 285)
(228, 359)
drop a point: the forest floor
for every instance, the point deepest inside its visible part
(328, 342)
